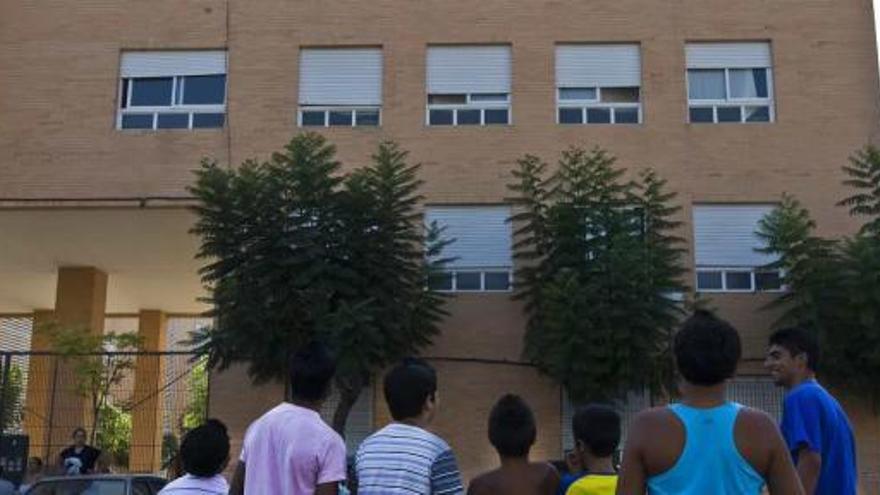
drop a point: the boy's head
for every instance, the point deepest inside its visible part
(311, 372)
(411, 390)
(204, 451)
(793, 356)
(512, 428)
(596, 431)
(707, 349)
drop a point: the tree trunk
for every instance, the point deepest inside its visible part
(349, 390)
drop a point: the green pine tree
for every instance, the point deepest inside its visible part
(599, 267)
(296, 250)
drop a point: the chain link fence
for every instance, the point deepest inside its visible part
(137, 418)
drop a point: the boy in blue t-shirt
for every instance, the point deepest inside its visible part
(814, 425)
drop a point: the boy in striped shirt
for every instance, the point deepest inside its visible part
(404, 458)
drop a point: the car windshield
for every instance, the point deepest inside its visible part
(79, 487)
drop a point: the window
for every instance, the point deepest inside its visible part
(468, 85)
(481, 251)
(757, 392)
(725, 246)
(729, 83)
(340, 87)
(598, 84)
(172, 90)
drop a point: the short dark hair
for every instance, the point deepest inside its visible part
(598, 427)
(311, 372)
(797, 340)
(79, 429)
(407, 386)
(205, 449)
(707, 349)
(512, 429)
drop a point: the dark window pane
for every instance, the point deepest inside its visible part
(341, 118)
(757, 114)
(137, 121)
(768, 281)
(204, 90)
(173, 121)
(497, 280)
(313, 119)
(709, 281)
(440, 117)
(598, 115)
(208, 120)
(440, 281)
(626, 115)
(489, 97)
(447, 99)
(571, 116)
(620, 95)
(468, 117)
(701, 115)
(151, 91)
(760, 76)
(123, 97)
(139, 487)
(497, 117)
(738, 280)
(729, 114)
(367, 117)
(467, 281)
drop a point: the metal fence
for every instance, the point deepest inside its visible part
(135, 406)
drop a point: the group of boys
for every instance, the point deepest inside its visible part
(703, 444)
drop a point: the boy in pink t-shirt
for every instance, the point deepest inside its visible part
(290, 450)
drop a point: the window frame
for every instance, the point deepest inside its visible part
(730, 102)
(584, 105)
(178, 86)
(469, 105)
(753, 272)
(483, 271)
(327, 109)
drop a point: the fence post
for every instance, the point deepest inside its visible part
(4, 385)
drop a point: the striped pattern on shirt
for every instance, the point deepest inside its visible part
(406, 460)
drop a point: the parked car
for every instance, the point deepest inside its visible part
(103, 484)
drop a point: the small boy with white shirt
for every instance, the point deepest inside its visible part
(205, 454)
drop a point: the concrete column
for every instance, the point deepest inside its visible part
(146, 441)
(38, 403)
(80, 304)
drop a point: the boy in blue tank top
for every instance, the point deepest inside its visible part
(706, 445)
(814, 425)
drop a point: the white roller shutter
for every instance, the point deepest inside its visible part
(468, 69)
(587, 66)
(173, 63)
(340, 76)
(482, 235)
(728, 55)
(724, 235)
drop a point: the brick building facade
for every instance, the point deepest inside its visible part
(77, 190)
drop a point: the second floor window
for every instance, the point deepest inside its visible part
(598, 84)
(340, 87)
(725, 249)
(468, 85)
(172, 90)
(481, 250)
(729, 83)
